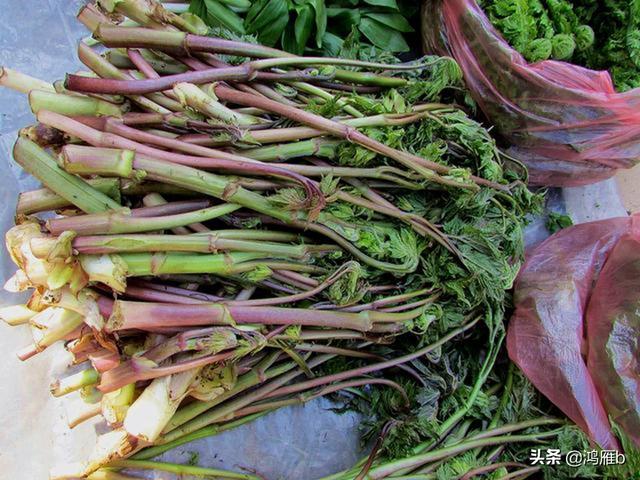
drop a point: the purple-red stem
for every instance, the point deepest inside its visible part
(113, 379)
(141, 63)
(143, 315)
(170, 208)
(223, 160)
(316, 382)
(151, 295)
(205, 297)
(244, 72)
(77, 83)
(343, 131)
(260, 407)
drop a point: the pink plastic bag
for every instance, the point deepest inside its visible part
(613, 334)
(546, 337)
(565, 122)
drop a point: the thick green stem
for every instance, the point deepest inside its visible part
(257, 235)
(320, 147)
(142, 264)
(22, 83)
(181, 469)
(109, 162)
(203, 243)
(260, 373)
(44, 199)
(73, 189)
(74, 382)
(192, 96)
(205, 432)
(137, 188)
(116, 222)
(176, 42)
(71, 104)
(113, 270)
(209, 184)
(227, 190)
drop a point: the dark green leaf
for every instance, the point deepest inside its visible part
(267, 19)
(392, 20)
(296, 35)
(321, 19)
(255, 11)
(383, 37)
(343, 19)
(331, 44)
(383, 3)
(344, 3)
(303, 26)
(288, 40)
(218, 15)
(197, 7)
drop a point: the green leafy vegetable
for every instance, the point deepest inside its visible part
(562, 46)
(216, 14)
(557, 221)
(296, 35)
(267, 19)
(318, 25)
(601, 35)
(381, 36)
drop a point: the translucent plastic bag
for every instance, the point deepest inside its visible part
(613, 334)
(546, 335)
(567, 123)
